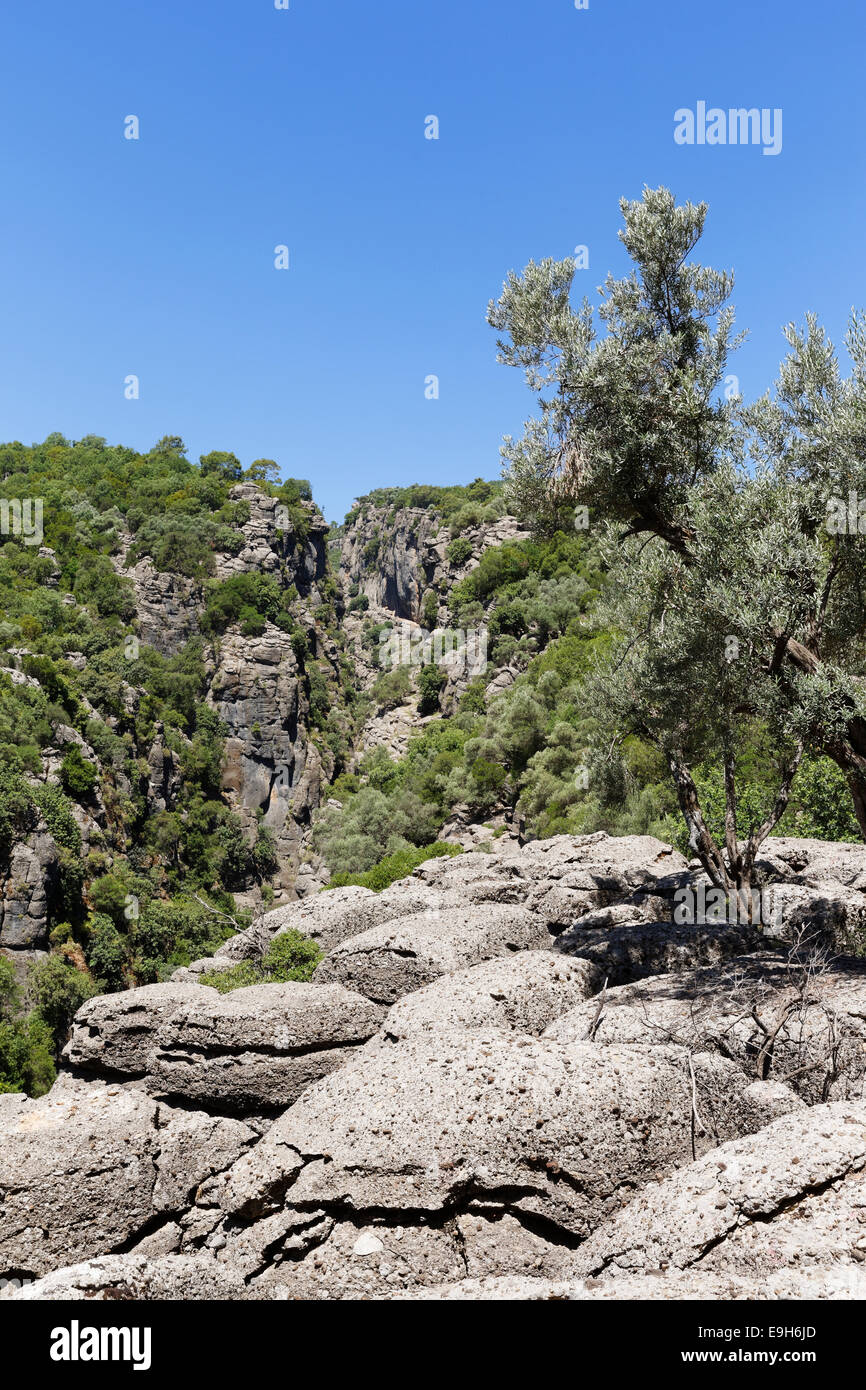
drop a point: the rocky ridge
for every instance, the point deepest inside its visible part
(472, 1099)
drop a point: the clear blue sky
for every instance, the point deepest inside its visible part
(306, 127)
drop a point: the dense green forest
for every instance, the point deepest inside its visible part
(149, 891)
(536, 746)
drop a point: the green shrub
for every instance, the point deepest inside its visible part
(430, 682)
(107, 954)
(77, 774)
(459, 551)
(59, 990)
(391, 688)
(430, 610)
(57, 814)
(290, 957)
(393, 867)
(26, 1056)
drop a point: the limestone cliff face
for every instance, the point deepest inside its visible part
(398, 559)
(272, 771)
(277, 768)
(271, 767)
(25, 890)
(397, 555)
(169, 606)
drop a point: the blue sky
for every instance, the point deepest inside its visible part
(305, 127)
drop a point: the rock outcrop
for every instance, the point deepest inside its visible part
(395, 559)
(465, 1104)
(793, 1195)
(90, 1167)
(776, 1016)
(253, 1050)
(408, 952)
(26, 887)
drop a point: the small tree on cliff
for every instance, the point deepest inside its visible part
(736, 603)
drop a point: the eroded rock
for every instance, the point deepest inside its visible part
(640, 949)
(790, 1196)
(87, 1167)
(777, 1017)
(117, 1032)
(523, 992)
(401, 956)
(257, 1048)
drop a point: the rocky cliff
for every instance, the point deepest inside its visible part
(277, 757)
(397, 556)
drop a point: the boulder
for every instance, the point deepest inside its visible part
(790, 1197)
(256, 1049)
(485, 1125)
(523, 993)
(88, 1167)
(814, 862)
(778, 1018)
(403, 955)
(326, 917)
(632, 952)
(116, 1033)
(829, 914)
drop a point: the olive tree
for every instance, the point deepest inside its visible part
(736, 603)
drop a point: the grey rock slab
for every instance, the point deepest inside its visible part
(88, 1166)
(524, 992)
(441, 1120)
(77, 1175)
(777, 1018)
(792, 1195)
(117, 1032)
(409, 952)
(193, 1146)
(259, 1047)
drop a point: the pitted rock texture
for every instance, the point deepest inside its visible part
(257, 1048)
(636, 951)
(117, 1032)
(408, 952)
(331, 918)
(792, 1196)
(779, 1018)
(87, 1168)
(461, 1122)
(522, 993)
(806, 1284)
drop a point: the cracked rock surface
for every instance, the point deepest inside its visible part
(793, 1195)
(89, 1168)
(512, 1077)
(523, 993)
(775, 1017)
(401, 956)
